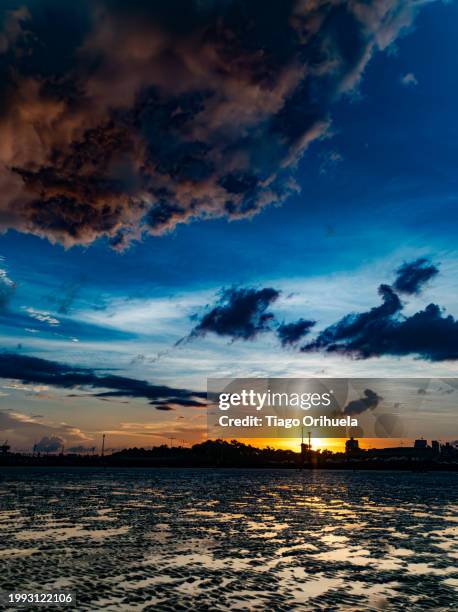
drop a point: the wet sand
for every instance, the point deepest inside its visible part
(232, 539)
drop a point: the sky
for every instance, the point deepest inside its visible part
(202, 189)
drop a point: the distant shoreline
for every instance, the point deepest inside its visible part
(106, 463)
(235, 454)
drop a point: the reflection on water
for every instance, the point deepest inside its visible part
(232, 539)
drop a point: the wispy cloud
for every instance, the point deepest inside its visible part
(26, 429)
(7, 287)
(409, 79)
(43, 317)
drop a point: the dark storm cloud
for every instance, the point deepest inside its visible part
(368, 402)
(428, 334)
(290, 333)
(179, 401)
(35, 370)
(161, 404)
(358, 326)
(128, 118)
(241, 313)
(411, 277)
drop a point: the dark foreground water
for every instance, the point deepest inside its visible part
(239, 539)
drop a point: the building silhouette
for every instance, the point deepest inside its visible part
(352, 447)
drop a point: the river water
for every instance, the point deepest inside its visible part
(165, 539)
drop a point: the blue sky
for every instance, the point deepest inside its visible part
(378, 190)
